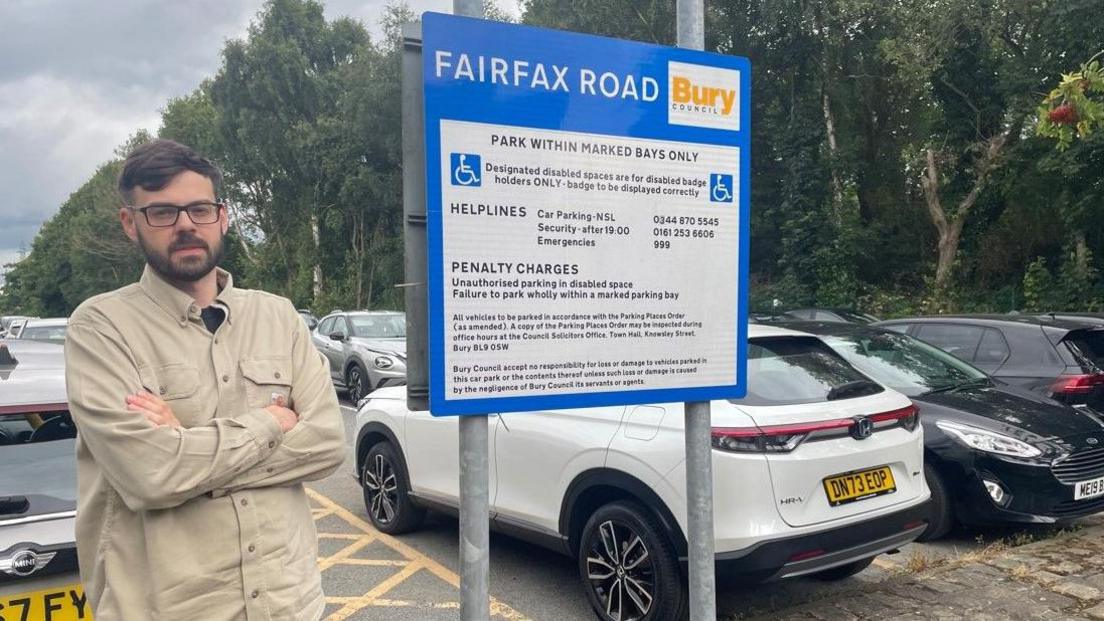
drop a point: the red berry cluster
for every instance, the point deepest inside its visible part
(1064, 114)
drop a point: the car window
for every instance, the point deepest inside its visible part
(35, 427)
(339, 326)
(801, 314)
(961, 341)
(903, 328)
(379, 326)
(789, 370)
(903, 363)
(43, 333)
(1088, 347)
(326, 327)
(993, 349)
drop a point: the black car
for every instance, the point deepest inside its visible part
(308, 318)
(835, 315)
(1056, 357)
(992, 452)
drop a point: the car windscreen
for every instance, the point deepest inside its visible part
(793, 370)
(903, 363)
(1087, 347)
(43, 333)
(862, 318)
(379, 326)
(37, 462)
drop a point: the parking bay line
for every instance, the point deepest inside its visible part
(415, 562)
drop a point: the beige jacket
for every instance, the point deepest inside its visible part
(210, 521)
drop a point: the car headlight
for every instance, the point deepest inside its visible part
(988, 441)
(383, 362)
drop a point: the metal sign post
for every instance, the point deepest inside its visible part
(698, 424)
(475, 505)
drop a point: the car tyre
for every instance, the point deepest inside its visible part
(386, 490)
(940, 513)
(628, 567)
(844, 571)
(357, 382)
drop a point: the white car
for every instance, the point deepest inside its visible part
(38, 487)
(817, 471)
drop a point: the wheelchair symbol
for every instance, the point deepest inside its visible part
(465, 169)
(720, 188)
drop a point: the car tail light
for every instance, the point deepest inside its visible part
(1073, 384)
(909, 417)
(785, 438)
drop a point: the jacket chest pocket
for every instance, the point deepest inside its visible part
(267, 380)
(177, 384)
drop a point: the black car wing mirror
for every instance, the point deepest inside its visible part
(337, 336)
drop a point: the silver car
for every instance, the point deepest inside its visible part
(38, 486)
(365, 349)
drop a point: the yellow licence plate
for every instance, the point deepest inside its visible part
(859, 485)
(63, 603)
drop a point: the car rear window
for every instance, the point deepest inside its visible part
(34, 427)
(793, 370)
(1087, 346)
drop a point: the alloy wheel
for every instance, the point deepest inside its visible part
(356, 385)
(382, 486)
(621, 571)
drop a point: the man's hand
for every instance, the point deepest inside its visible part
(154, 409)
(284, 417)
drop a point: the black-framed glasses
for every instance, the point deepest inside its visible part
(164, 214)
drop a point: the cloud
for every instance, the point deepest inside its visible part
(79, 78)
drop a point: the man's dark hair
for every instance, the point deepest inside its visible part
(153, 165)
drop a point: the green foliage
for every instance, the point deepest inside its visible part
(848, 98)
(78, 253)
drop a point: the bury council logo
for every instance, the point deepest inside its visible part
(703, 96)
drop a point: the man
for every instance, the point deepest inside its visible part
(201, 409)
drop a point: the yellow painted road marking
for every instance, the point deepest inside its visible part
(348, 536)
(414, 561)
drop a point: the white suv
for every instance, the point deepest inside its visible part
(817, 471)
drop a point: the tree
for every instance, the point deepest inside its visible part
(1075, 106)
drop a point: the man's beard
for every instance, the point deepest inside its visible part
(186, 269)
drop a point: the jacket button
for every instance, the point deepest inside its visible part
(225, 378)
(252, 547)
(254, 594)
(277, 375)
(161, 389)
(271, 444)
(244, 502)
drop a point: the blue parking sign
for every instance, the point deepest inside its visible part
(587, 214)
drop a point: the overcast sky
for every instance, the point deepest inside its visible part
(77, 78)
